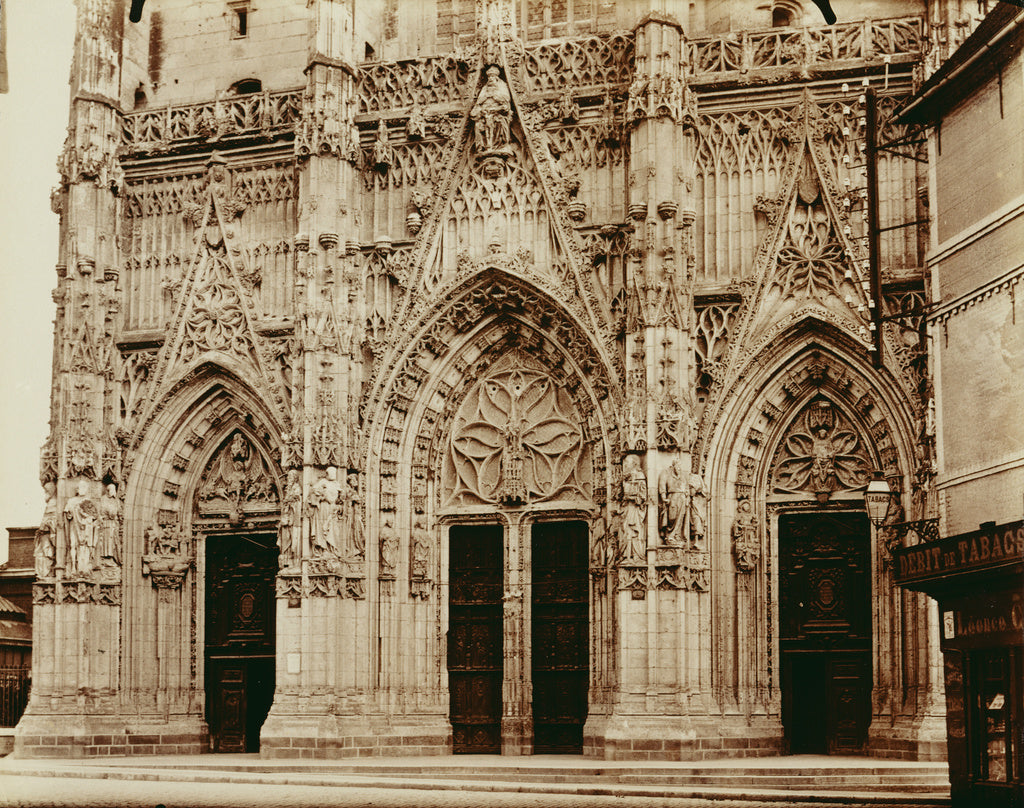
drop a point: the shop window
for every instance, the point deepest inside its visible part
(997, 693)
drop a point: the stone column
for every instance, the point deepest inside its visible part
(327, 646)
(76, 675)
(664, 578)
(516, 686)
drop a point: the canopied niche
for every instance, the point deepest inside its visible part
(516, 439)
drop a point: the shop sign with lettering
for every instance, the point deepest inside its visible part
(992, 547)
(984, 620)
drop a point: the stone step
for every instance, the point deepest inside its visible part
(918, 779)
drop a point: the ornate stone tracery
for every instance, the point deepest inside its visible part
(237, 480)
(821, 454)
(516, 439)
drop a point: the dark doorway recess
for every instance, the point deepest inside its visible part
(240, 612)
(559, 608)
(825, 631)
(475, 637)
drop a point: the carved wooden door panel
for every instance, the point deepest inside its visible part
(240, 612)
(475, 637)
(825, 631)
(560, 627)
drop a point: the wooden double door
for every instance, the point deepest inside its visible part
(825, 631)
(240, 631)
(559, 628)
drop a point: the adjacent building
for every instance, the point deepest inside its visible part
(498, 376)
(976, 258)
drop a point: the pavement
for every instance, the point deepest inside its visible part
(538, 781)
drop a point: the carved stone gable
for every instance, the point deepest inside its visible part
(516, 439)
(216, 309)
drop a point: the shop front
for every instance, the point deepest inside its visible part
(978, 580)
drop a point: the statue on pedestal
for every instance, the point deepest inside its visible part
(388, 540)
(81, 517)
(289, 535)
(46, 535)
(633, 540)
(492, 113)
(673, 502)
(745, 547)
(110, 527)
(324, 513)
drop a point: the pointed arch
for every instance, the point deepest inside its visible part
(813, 362)
(186, 427)
(475, 322)
(814, 357)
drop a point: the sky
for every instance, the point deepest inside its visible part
(33, 122)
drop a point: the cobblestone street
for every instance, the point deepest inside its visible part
(61, 792)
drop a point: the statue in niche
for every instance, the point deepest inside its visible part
(633, 540)
(355, 538)
(324, 513)
(46, 535)
(673, 503)
(388, 539)
(420, 566)
(889, 536)
(492, 113)
(698, 512)
(598, 544)
(382, 155)
(745, 547)
(416, 126)
(110, 527)
(82, 520)
(167, 558)
(163, 540)
(289, 534)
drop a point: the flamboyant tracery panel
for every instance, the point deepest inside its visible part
(157, 240)
(237, 480)
(742, 158)
(822, 453)
(516, 439)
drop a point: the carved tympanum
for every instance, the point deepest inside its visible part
(821, 454)
(237, 480)
(517, 439)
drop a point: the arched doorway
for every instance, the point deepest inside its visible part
(236, 511)
(239, 647)
(486, 622)
(518, 653)
(825, 630)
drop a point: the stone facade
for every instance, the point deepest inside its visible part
(453, 263)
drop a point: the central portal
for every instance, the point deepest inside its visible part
(480, 624)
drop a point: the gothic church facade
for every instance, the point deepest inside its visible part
(488, 376)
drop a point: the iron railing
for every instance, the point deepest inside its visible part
(15, 683)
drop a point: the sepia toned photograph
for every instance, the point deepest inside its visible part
(514, 403)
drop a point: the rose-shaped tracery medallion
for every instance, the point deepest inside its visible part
(516, 440)
(822, 453)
